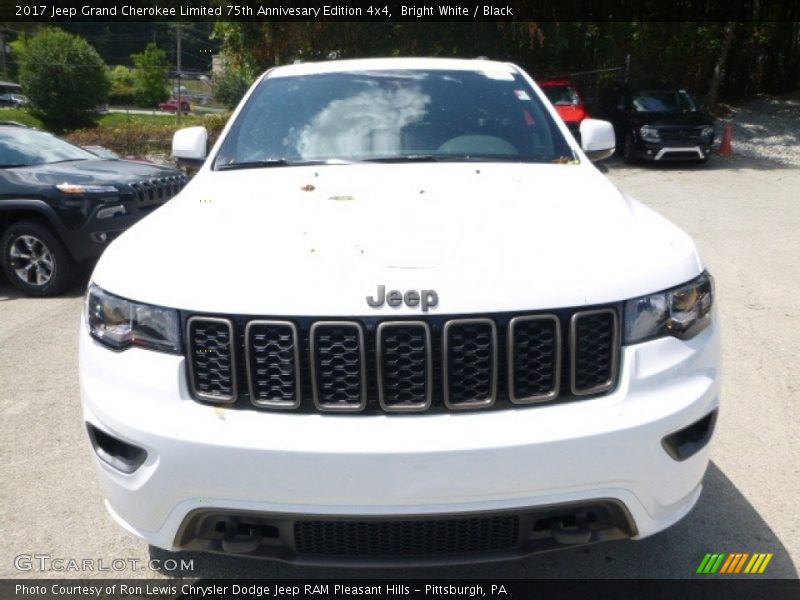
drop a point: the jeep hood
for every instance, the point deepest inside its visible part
(318, 240)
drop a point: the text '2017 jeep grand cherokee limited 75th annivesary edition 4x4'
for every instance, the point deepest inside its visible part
(399, 316)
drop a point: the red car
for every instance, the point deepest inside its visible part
(171, 105)
(569, 105)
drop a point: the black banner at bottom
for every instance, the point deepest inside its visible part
(509, 589)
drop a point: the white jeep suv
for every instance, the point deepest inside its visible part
(399, 316)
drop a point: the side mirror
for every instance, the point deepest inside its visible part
(190, 143)
(597, 139)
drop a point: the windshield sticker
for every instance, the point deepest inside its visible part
(522, 94)
(499, 74)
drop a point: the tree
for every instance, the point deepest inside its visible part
(123, 81)
(231, 85)
(64, 78)
(150, 76)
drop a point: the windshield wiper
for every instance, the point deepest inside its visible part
(406, 158)
(254, 164)
(277, 162)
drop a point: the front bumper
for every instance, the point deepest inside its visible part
(674, 150)
(202, 458)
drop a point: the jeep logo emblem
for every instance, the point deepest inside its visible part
(394, 298)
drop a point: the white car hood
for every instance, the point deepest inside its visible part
(290, 241)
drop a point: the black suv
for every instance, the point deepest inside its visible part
(658, 123)
(61, 205)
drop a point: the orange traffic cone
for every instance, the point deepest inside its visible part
(725, 145)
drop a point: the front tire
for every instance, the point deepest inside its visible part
(35, 260)
(629, 150)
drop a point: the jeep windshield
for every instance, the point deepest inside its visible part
(392, 116)
(24, 147)
(668, 101)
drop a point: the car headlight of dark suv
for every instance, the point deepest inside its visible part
(681, 312)
(649, 133)
(119, 323)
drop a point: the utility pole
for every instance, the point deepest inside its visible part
(178, 35)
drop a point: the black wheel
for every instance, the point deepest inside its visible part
(34, 259)
(628, 150)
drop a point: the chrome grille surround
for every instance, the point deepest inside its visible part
(278, 363)
(447, 354)
(197, 359)
(608, 382)
(514, 353)
(320, 371)
(386, 403)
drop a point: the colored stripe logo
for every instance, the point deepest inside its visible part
(734, 563)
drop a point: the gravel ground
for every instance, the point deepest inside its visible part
(767, 128)
(744, 213)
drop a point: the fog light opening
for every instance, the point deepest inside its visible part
(114, 452)
(688, 441)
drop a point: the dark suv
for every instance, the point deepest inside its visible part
(658, 123)
(61, 205)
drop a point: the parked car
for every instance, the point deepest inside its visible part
(15, 100)
(658, 123)
(399, 315)
(61, 205)
(171, 105)
(563, 93)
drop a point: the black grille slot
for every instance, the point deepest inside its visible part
(594, 348)
(273, 363)
(211, 359)
(405, 368)
(407, 537)
(535, 358)
(470, 363)
(684, 133)
(338, 362)
(157, 191)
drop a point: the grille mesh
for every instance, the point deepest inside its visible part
(273, 363)
(535, 348)
(212, 359)
(406, 538)
(594, 349)
(471, 362)
(338, 365)
(405, 367)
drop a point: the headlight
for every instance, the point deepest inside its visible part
(120, 323)
(649, 133)
(75, 188)
(682, 312)
(707, 132)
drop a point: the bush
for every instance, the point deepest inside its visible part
(139, 137)
(122, 85)
(64, 78)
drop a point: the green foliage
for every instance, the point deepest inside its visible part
(123, 81)
(21, 115)
(64, 78)
(231, 85)
(150, 76)
(142, 135)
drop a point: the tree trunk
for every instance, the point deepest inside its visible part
(719, 67)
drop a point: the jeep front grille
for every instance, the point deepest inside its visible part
(150, 192)
(212, 359)
(371, 364)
